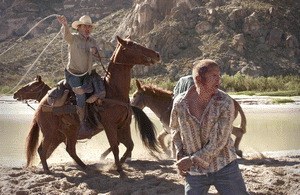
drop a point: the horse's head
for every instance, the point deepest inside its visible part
(137, 98)
(130, 52)
(35, 90)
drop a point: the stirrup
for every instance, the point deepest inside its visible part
(84, 132)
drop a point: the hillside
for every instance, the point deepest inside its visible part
(254, 37)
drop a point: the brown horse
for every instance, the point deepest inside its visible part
(160, 102)
(115, 113)
(34, 90)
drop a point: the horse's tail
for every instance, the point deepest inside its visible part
(147, 129)
(242, 114)
(32, 141)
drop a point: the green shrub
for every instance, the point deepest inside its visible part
(282, 101)
(242, 83)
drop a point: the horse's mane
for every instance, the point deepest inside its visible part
(153, 90)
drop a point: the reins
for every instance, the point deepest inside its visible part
(105, 70)
(29, 105)
(39, 92)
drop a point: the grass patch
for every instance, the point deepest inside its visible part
(279, 93)
(282, 100)
(268, 93)
(250, 93)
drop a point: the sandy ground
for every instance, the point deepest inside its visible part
(263, 174)
(268, 173)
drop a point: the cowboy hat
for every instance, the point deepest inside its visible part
(83, 20)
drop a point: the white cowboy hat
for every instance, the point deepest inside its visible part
(83, 20)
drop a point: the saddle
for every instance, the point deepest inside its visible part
(62, 99)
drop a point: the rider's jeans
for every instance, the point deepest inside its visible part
(77, 81)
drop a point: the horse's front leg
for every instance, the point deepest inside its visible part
(69, 128)
(46, 148)
(71, 139)
(125, 138)
(111, 134)
(42, 151)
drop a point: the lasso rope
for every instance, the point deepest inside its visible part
(36, 60)
(20, 40)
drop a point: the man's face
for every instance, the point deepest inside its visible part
(212, 80)
(85, 30)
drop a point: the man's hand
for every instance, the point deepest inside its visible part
(184, 165)
(62, 20)
(179, 154)
(94, 50)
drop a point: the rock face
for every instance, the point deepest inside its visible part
(258, 38)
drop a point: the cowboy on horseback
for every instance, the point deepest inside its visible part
(79, 72)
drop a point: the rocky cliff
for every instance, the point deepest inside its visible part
(254, 37)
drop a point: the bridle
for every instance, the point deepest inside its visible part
(37, 93)
(131, 48)
(141, 100)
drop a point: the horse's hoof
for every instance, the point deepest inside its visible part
(122, 174)
(123, 160)
(84, 167)
(47, 172)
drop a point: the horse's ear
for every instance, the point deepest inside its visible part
(38, 78)
(138, 84)
(121, 41)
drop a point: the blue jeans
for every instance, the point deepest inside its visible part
(228, 181)
(77, 81)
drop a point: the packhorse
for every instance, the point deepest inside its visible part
(160, 102)
(114, 112)
(34, 90)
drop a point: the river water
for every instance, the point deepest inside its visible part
(269, 128)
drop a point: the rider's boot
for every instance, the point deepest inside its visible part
(84, 130)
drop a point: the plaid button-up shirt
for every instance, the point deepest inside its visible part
(208, 140)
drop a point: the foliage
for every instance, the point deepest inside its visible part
(282, 100)
(237, 84)
(157, 81)
(274, 84)
(241, 84)
(4, 89)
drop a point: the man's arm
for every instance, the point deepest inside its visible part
(219, 135)
(66, 31)
(175, 132)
